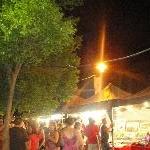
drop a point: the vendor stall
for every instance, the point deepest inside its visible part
(131, 123)
(131, 119)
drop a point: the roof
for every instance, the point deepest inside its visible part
(110, 92)
(76, 100)
(112, 96)
(140, 95)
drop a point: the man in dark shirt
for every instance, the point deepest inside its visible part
(18, 136)
(104, 135)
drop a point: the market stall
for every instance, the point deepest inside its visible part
(131, 123)
(131, 119)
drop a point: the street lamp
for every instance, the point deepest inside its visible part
(101, 67)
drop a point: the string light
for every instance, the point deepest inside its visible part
(119, 59)
(128, 56)
(106, 61)
(88, 77)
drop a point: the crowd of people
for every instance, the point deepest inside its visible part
(70, 135)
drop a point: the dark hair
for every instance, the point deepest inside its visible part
(104, 121)
(91, 121)
(17, 121)
(77, 124)
(69, 121)
(1, 117)
(34, 128)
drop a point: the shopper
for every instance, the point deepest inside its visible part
(104, 135)
(35, 136)
(91, 132)
(70, 137)
(18, 136)
(52, 137)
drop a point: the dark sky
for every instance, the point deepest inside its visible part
(127, 31)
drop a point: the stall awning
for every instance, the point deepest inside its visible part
(109, 93)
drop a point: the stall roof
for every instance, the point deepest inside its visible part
(142, 94)
(76, 100)
(109, 93)
(112, 96)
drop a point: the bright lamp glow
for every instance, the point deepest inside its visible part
(101, 67)
(96, 115)
(43, 119)
(56, 117)
(130, 108)
(146, 104)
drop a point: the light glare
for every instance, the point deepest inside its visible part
(101, 67)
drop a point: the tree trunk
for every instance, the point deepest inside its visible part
(12, 83)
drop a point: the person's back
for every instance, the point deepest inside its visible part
(91, 132)
(34, 142)
(52, 137)
(18, 136)
(104, 135)
(71, 139)
(34, 136)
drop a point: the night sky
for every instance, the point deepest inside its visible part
(127, 31)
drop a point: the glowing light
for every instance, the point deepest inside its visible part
(101, 67)
(56, 117)
(146, 104)
(130, 108)
(101, 47)
(95, 115)
(43, 119)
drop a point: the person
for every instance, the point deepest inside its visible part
(70, 137)
(35, 136)
(91, 132)
(18, 136)
(147, 137)
(42, 135)
(52, 137)
(78, 127)
(59, 126)
(104, 135)
(1, 131)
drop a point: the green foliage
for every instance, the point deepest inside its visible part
(32, 30)
(50, 83)
(36, 34)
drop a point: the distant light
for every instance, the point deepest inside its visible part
(56, 117)
(101, 67)
(130, 108)
(146, 104)
(43, 119)
(95, 115)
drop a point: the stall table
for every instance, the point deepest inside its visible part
(133, 147)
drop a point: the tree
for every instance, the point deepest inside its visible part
(31, 31)
(49, 85)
